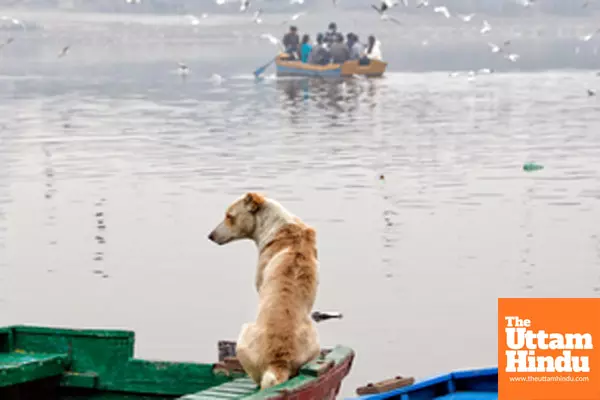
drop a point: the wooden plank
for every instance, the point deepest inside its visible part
(16, 368)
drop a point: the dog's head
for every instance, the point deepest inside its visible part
(240, 220)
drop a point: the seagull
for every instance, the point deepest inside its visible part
(13, 21)
(294, 17)
(442, 10)
(272, 39)
(423, 3)
(319, 316)
(512, 57)
(588, 37)
(495, 48)
(466, 18)
(485, 28)
(220, 2)
(133, 1)
(8, 41)
(63, 52)
(216, 79)
(244, 5)
(183, 69)
(257, 19)
(296, 1)
(385, 5)
(385, 17)
(485, 71)
(194, 20)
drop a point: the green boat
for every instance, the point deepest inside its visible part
(68, 364)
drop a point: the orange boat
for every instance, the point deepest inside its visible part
(286, 67)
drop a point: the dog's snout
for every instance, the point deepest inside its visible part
(211, 236)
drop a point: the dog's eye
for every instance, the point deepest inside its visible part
(229, 217)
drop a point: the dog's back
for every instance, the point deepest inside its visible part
(287, 294)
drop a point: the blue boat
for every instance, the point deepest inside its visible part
(478, 384)
(286, 67)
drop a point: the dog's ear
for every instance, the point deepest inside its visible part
(253, 202)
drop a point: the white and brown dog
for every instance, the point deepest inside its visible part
(283, 338)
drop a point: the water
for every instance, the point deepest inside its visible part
(113, 171)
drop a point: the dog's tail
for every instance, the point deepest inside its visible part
(275, 374)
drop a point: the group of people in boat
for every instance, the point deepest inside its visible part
(331, 47)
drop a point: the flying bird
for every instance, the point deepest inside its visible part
(63, 52)
(485, 28)
(385, 17)
(442, 10)
(183, 69)
(244, 4)
(273, 40)
(385, 5)
(423, 3)
(257, 19)
(495, 48)
(466, 18)
(294, 17)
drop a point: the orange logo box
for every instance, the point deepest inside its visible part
(548, 349)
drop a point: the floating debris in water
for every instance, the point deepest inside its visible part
(532, 167)
(381, 177)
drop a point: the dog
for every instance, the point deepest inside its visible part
(283, 338)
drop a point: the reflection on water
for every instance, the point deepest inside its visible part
(111, 178)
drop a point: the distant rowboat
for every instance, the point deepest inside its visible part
(286, 67)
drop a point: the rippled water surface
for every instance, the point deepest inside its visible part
(113, 170)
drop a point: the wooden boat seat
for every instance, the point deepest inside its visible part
(17, 367)
(235, 389)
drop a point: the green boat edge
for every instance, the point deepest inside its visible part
(68, 364)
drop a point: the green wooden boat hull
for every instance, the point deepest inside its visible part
(68, 364)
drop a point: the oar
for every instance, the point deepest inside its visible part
(262, 69)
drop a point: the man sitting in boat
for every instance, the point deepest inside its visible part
(355, 46)
(339, 51)
(331, 34)
(291, 43)
(372, 52)
(305, 48)
(319, 55)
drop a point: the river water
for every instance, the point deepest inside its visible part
(113, 169)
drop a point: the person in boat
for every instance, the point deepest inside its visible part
(373, 50)
(355, 46)
(319, 54)
(305, 48)
(291, 42)
(331, 34)
(339, 50)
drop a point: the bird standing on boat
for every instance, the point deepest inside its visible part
(319, 316)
